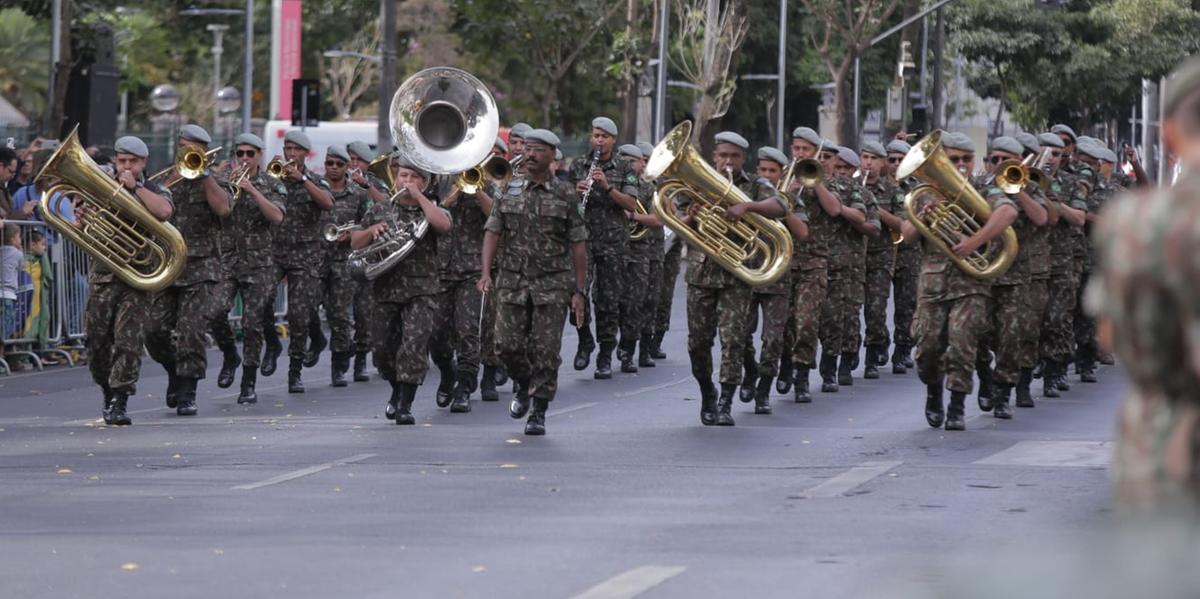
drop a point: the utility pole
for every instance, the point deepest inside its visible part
(660, 89)
(218, 32)
(248, 68)
(939, 51)
(387, 72)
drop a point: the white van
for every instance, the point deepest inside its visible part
(322, 136)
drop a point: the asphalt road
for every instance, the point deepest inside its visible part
(317, 495)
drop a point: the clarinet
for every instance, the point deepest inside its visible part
(587, 192)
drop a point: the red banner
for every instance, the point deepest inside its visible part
(291, 19)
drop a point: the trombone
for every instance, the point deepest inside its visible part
(190, 165)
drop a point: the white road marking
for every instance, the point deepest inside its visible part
(844, 482)
(651, 388)
(274, 480)
(632, 583)
(1070, 454)
(582, 406)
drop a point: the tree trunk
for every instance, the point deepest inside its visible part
(629, 87)
(843, 103)
(62, 77)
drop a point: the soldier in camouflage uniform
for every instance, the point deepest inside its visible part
(773, 299)
(652, 245)
(881, 254)
(180, 314)
(1086, 351)
(493, 370)
(538, 239)
(377, 190)
(1144, 294)
(1085, 177)
(640, 266)
(672, 261)
(299, 251)
(1037, 249)
(1009, 299)
(226, 294)
(257, 210)
(952, 307)
(717, 300)
(115, 311)
(907, 267)
(351, 202)
(406, 295)
(614, 189)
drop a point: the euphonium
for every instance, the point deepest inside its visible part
(638, 231)
(755, 249)
(946, 209)
(388, 250)
(113, 226)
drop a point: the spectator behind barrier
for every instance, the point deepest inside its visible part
(36, 303)
(11, 262)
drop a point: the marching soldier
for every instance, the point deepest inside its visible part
(672, 259)
(952, 306)
(716, 300)
(181, 313)
(1037, 250)
(406, 295)
(351, 203)
(516, 139)
(907, 266)
(538, 240)
(361, 156)
(226, 294)
(1009, 297)
(1084, 183)
(1092, 156)
(653, 245)
(640, 268)
(116, 311)
(607, 187)
(880, 256)
(257, 209)
(297, 248)
(493, 370)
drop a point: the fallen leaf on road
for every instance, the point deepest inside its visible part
(129, 566)
(63, 471)
(508, 465)
(176, 456)
(479, 569)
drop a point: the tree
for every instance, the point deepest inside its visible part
(24, 54)
(351, 76)
(708, 38)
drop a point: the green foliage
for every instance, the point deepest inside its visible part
(24, 60)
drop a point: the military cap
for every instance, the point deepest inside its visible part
(1093, 150)
(630, 150)
(1008, 144)
(605, 124)
(1052, 140)
(298, 138)
(519, 130)
(874, 147)
(1181, 83)
(131, 145)
(646, 147)
(337, 151)
(958, 141)
(249, 139)
(404, 162)
(772, 154)
(1061, 129)
(361, 149)
(1085, 139)
(1109, 156)
(1029, 141)
(898, 146)
(729, 137)
(806, 134)
(543, 136)
(848, 156)
(558, 154)
(195, 133)
(500, 145)
(829, 145)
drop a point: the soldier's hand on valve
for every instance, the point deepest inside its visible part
(736, 212)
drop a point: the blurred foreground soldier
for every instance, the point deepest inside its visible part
(181, 313)
(538, 239)
(405, 295)
(1144, 295)
(338, 288)
(116, 311)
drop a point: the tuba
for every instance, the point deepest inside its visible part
(114, 227)
(947, 209)
(755, 249)
(638, 231)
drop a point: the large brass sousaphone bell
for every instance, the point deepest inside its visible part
(444, 120)
(755, 249)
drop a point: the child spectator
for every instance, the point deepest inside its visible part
(11, 262)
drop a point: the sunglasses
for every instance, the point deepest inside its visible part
(960, 159)
(1057, 154)
(334, 163)
(995, 159)
(894, 160)
(245, 153)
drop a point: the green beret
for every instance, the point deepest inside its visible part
(543, 136)
(249, 139)
(605, 124)
(729, 137)
(195, 133)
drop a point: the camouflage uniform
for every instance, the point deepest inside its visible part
(1146, 286)
(339, 289)
(1058, 330)
(671, 263)
(405, 301)
(180, 314)
(809, 276)
(775, 300)
(113, 324)
(880, 258)
(226, 290)
(301, 258)
(652, 245)
(643, 263)
(1086, 350)
(536, 223)
(840, 331)
(1037, 248)
(952, 315)
(904, 283)
(460, 254)
(608, 245)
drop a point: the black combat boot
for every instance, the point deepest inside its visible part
(583, 357)
(249, 378)
(708, 403)
(906, 358)
(501, 376)
(871, 370)
(898, 356)
(725, 404)
(108, 397)
(845, 376)
(1024, 395)
(1000, 408)
(800, 386)
(881, 356)
(339, 363)
(1061, 373)
(1106, 359)
(360, 367)
(762, 396)
(520, 403)
(316, 344)
(954, 415)
(787, 370)
(985, 386)
(1050, 379)
(295, 385)
(172, 388)
(935, 408)
(187, 397)
(536, 425)
(461, 403)
(626, 359)
(229, 365)
(115, 414)
(603, 364)
(408, 392)
(393, 404)
(828, 368)
(445, 388)
(656, 351)
(1087, 370)
(487, 384)
(749, 380)
(273, 349)
(645, 360)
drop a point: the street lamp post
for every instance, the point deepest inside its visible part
(165, 99)
(248, 62)
(218, 32)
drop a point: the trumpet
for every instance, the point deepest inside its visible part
(190, 165)
(235, 181)
(332, 231)
(277, 168)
